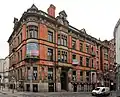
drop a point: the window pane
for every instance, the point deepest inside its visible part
(50, 74)
(81, 47)
(65, 42)
(34, 73)
(87, 62)
(73, 56)
(58, 40)
(61, 41)
(62, 57)
(65, 58)
(73, 44)
(81, 59)
(32, 31)
(50, 54)
(50, 36)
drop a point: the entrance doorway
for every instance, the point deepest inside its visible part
(64, 80)
(35, 88)
(27, 87)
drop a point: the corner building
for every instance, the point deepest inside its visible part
(48, 54)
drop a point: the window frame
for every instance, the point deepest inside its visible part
(50, 36)
(32, 31)
(81, 60)
(73, 44)
(50, 54)
(81, 47)
(87, 62)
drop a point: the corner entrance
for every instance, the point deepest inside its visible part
(64, 79)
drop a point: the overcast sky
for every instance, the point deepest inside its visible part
(98, 17)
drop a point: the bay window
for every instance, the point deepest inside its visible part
(62, 39)
(62, 56)
(32, 31)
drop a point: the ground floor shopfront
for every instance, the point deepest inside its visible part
(38, 78)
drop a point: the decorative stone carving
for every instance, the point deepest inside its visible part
(62, 18)
(43, 76)
(58, 74)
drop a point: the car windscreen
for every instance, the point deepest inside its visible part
(97, 89)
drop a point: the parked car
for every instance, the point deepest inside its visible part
(101, 91)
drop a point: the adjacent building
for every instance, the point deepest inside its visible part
(2, 71)
(46, 53)
(6, 71)
(117, 61)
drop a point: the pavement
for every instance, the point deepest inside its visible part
(8, 93)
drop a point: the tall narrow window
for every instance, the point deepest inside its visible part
(58, 38)
(62, 39)
(92, 49)
(20, 73)
(62, 57)
(74, 75)
(20, 54)
(81, 47)
(87, 75)
(87, 48)
(73, 44)
(50, 36)
(29, 73)
(92, 63)
(87, 62)
(81, 73)
(20, 37)
(65, 56)
(58, 56)
(34, 73)
(65, 40)
(81, 60)
(50, 74)
(18, 57)
(50, 54)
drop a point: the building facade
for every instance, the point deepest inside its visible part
(2, 71)
(112, 67)
(117, 60)
(6, 71)
(46, 53)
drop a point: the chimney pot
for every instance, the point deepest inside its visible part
(51, 10)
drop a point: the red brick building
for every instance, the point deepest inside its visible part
(48, 54)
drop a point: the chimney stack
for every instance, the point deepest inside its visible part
(51, 10)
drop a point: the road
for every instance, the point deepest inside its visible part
(53, 95)
(64, 95)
